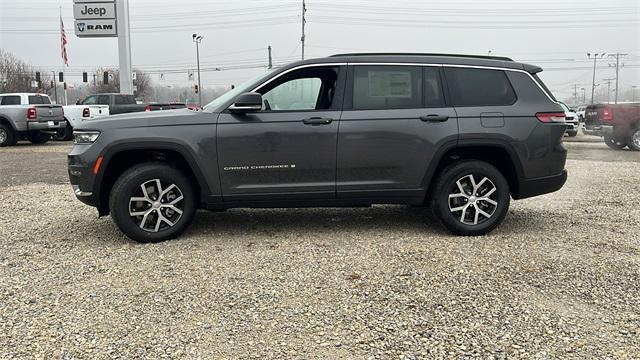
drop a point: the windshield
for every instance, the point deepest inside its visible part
(231, 94)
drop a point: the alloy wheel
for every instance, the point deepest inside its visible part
(636, 139)
(156, 205)
(473, 202)
(3, 136)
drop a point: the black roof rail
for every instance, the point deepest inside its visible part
(426, 54)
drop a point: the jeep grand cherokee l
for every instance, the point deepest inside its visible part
(461, 134)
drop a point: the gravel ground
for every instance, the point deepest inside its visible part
(559, 279)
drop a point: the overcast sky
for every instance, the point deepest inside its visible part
(553, 34)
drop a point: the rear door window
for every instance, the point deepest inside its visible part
(36, 99)
(124, 99)
(103, 100)
(10, 100)
(387, 87)
(479, 87)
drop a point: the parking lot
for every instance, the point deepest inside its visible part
(559, 278)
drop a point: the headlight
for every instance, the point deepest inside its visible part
(85, 137)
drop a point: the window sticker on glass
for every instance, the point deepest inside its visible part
(396, 84)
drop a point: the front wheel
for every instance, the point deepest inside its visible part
(152, 202)
(634, 143)
(614, 143)
(470, 198)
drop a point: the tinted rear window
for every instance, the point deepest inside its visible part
(479, 87)
(35, 99)
(10, 100)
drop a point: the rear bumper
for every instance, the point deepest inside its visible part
(598, 130)
(538, 186)
(46, 125)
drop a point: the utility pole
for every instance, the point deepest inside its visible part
(593, 83)
(55, 86)
(617, 66)
(95, 87)
(270, 61)
(198, 39)
(608, 89)
(575, 93)
(584, 96)
(304, 22)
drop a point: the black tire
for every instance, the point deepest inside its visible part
(447, 184)
(37, 137)
(65, 134)
(572, 133)
(613, 143)
(634, 140)
(129, 185)
(7, 136)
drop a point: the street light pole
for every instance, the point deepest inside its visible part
(584, 95)
(593, 83)
(198, 39)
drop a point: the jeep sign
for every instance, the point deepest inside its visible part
(94, 11)
(96, 28)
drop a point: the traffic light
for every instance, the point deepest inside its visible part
(84, 76)
(196, 88)
(60, 76)
(105, 77)
(65, 85)
(38, 76)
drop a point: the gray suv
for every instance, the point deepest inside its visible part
(461, 134)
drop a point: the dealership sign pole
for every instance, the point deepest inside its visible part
(107, 18)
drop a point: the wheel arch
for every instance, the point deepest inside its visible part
(120, 157)
(500, 155)
(5, 121)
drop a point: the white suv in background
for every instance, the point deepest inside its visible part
(571, 118)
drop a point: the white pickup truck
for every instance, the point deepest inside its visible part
(76, 114)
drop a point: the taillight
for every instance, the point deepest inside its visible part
(147, 108)
(85, 112)
(554, 117)
(607, 114)
(32, 114)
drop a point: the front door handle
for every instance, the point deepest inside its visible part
(434, 118)
(317, 121)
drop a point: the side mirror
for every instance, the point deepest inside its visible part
(78, 102)
(247, 102)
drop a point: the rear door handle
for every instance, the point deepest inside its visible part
(317, 121)
(434, 118)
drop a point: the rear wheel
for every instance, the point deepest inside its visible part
(7, 136)
(64, 134)
(152, 202)
(614, 143)
(471, 198)
(37, 137)
(634, 142)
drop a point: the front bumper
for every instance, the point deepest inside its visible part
(80, 163)
(543, 185)
(573, 126)
(598, 130)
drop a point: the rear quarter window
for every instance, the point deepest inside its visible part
(479, 87)
(10, 100)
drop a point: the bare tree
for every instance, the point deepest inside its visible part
(143, 82)
(15, 74)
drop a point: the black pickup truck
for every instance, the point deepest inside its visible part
(123, 103)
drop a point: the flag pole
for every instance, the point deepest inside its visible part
(64, 78)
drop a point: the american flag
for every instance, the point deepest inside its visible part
(63, 43)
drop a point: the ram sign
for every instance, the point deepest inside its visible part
(96, 28)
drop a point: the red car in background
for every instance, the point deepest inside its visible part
(619, 124)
